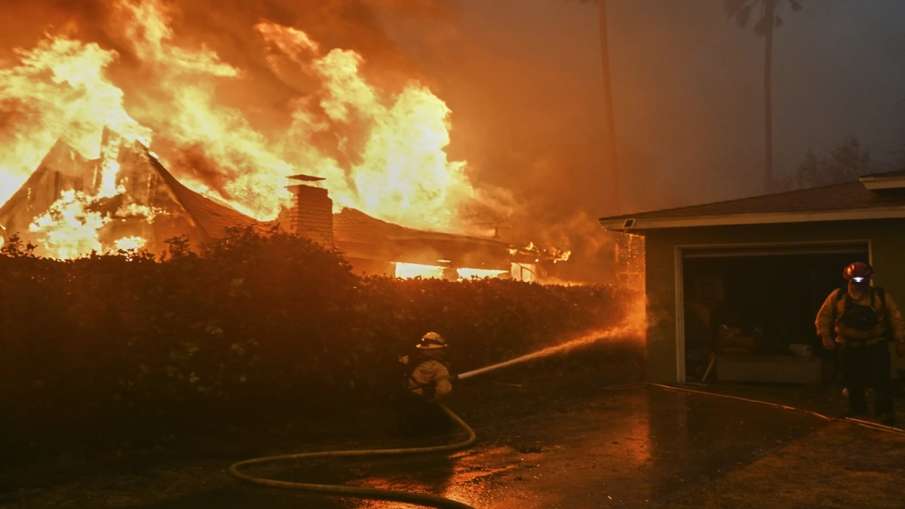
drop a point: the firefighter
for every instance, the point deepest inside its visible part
(427, 370)
(860, 320)
(427, 380)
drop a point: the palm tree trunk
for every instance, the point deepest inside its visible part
(769, 15)
(611, 155)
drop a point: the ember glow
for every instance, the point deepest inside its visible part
(415, 270)
(129, 243)
(480, 273)
(381, 151)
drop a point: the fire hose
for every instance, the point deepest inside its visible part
(876, 426)
(236, 469)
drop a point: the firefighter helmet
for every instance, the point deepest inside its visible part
(859, 272)
(431, 341)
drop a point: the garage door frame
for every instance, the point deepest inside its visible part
(743, 249)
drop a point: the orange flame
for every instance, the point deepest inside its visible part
(402, 174)
(62, 86)
(68, 229)
(388, 154)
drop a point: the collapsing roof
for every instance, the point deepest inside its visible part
(210, 217)
(146, 200)
(877, 196)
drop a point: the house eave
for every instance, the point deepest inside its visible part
(629, 224)
(883, 183)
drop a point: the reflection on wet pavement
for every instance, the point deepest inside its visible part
(625, 450)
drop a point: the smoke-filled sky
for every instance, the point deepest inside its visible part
(522, 79)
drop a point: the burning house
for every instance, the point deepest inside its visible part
(373, 246)
(71, 206)
(67, 209)
(382, 151)
(733, 287)
(311, 213)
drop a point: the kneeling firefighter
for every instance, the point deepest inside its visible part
(427, 380)
(860, 320)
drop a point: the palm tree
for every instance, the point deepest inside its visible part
(612, 154)
(768, 20)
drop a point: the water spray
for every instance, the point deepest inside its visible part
(237, 470)
(579, 342)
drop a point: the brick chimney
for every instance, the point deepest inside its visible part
(312, 213)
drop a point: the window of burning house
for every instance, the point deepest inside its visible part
(526, 272)
(405, 270)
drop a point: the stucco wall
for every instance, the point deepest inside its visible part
(887, 241)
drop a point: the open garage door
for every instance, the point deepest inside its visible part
(749, 311)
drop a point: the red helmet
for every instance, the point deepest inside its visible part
(857, 271)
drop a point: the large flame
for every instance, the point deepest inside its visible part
(381, 151)
(69, 229)
(393, 144)
(58, 90)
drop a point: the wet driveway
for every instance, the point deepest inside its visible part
(625, 448)
(630, 447)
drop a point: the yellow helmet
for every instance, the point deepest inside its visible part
(431, 341)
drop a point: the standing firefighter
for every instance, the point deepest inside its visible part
(861, 320)
(427, 379)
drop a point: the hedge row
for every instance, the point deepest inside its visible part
(250, 325)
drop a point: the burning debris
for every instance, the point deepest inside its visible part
(71, 206)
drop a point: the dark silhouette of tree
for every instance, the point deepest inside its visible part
(844, 162)
(847, 161)
(766, 13)
(809, 170)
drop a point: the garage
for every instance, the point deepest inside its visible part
(733, 287)
(749, 312)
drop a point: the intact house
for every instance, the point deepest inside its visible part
(733, 287)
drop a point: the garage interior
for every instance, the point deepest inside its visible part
(749, 312)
